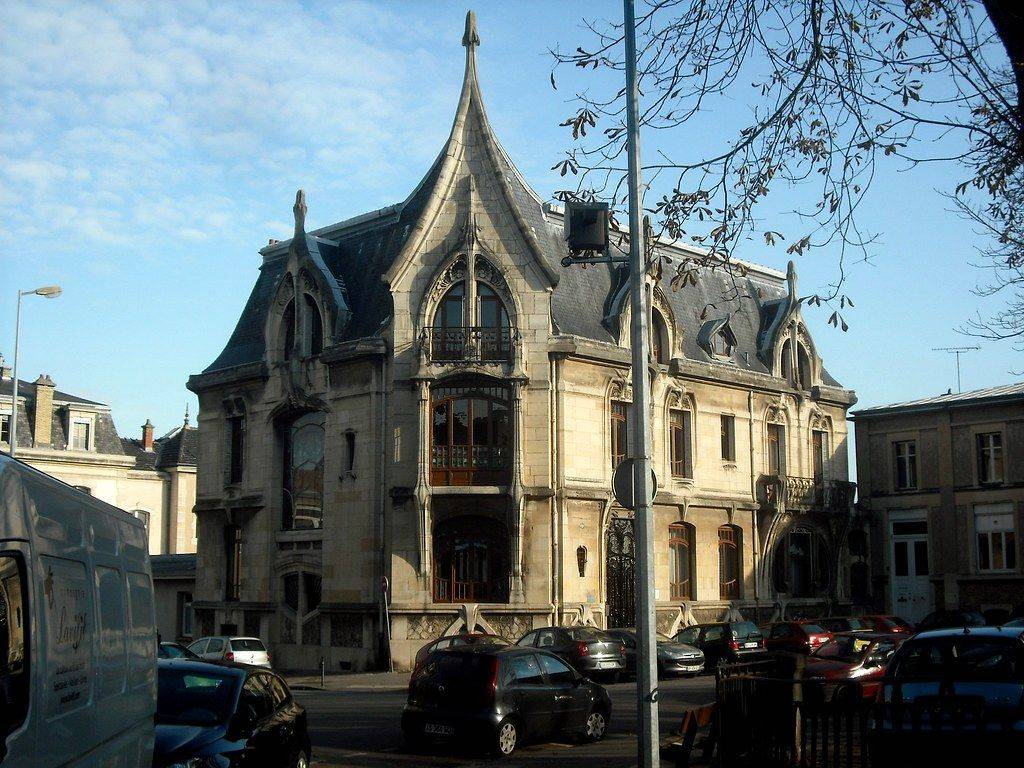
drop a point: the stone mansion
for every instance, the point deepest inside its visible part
(414, 425)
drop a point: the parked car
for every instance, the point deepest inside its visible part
(587, 649)
(78, 636)
(227, 715)
(794, 636)
(1014, 623)
(855, 656)
(846, 624)
(889, 624)
(455, 641)
(497, 698)
(952, 694)
(724, 642)
(950, 620)
(168, 650)
(244, 650)
(673, 657)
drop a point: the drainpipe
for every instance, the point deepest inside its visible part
(753, 495)
(382, 509)
(556, 499)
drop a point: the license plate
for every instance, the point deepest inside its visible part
(607, 665)
(750, 645)
(436, 729)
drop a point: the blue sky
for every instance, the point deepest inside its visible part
(148, 150)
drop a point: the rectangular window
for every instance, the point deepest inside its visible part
(186, 615)
(5, 429)
(819, 451)
(905, 462)
(728, 437)
(620, 432)
(776, 449)
(990, 457)
(80, 435)
(236, 448)
(233, 562)
(14, 634)
(679, 435)
(997, 537)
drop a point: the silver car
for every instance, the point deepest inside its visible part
(244, 650)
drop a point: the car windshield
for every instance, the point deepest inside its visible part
(589, 635)
(174, 651)
(247, 644)
(743, 630)
(186, 697)
(857, 624)
(812, 628)
(844, 648)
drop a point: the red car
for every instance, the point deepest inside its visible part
(454, 641)
(856, 656)
(795, 636)
(892, 624)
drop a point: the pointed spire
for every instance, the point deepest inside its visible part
(186, 406)
(299, 209)
(470, 38)
(791, 280)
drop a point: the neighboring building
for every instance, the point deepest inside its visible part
(174, 580)
(74, 439)
(422, 396)
(942, 479)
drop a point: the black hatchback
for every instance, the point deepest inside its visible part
(227, 715)
(497, 698)
(724, 642)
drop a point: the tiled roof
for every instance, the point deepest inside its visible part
(179, 448)
(950, 400)
(27, 388)
(144, 459)
(173, 566)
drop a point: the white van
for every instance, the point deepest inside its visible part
(77, 629)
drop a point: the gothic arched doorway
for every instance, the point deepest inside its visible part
(620, 572)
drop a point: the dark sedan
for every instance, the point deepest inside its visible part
(497, 698)
(227, 715)
(589, 650)
(673, 658)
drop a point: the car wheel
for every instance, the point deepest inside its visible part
(507, 739)
(302, 761)
(596, 726)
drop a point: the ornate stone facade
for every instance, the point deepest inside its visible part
(432, 419)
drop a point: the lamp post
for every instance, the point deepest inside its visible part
(47, 292)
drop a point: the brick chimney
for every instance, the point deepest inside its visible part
(42, 415)
(147, 435)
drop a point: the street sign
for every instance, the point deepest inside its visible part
(622, 484)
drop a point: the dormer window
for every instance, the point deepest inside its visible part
(660, 349)
(460, 334)
(717, 339)
(721, 344)
(803, 367)
(81, 435)
(288, 331)
(310, 324)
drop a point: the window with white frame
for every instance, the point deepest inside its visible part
(5, 428)
(997, 537)
(81, 435)
(905, 461)
(990, 457)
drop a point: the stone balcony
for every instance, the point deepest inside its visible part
(778, 492)
(470, 344)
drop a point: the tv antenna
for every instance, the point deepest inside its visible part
(956, 351)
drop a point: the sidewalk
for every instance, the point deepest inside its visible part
(356, 681)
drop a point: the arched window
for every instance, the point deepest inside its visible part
(787, 361)
(471, 435)
(681, 560)
(730, 559)
(470, 560)
(313, 328)
(287, 333)
(303, 486)
(801, 567)
(485, 333)
(660, 349)
(803, 367)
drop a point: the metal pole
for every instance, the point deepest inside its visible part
(959, 388)
(648, 747)
(14, 404)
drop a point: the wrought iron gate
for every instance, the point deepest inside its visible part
(620, 573)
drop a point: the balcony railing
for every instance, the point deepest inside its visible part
(792, 492)
(470, 465)
(469, 344)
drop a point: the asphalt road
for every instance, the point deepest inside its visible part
(360, 728)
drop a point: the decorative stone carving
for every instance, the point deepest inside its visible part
(511, 626)
(346, 630)
(620, 389)
(428, 626)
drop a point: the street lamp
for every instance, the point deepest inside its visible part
(47, 292)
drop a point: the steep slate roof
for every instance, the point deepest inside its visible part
(987, 396)
(181, 566)
(27, 388)
(359, 251)
(179, 448)
(132, 446)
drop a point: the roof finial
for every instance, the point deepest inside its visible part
(186, 404)
(471, 39)
(299, 209)
(791, 279)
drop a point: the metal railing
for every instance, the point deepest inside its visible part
(796, 492)
(469, 344)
